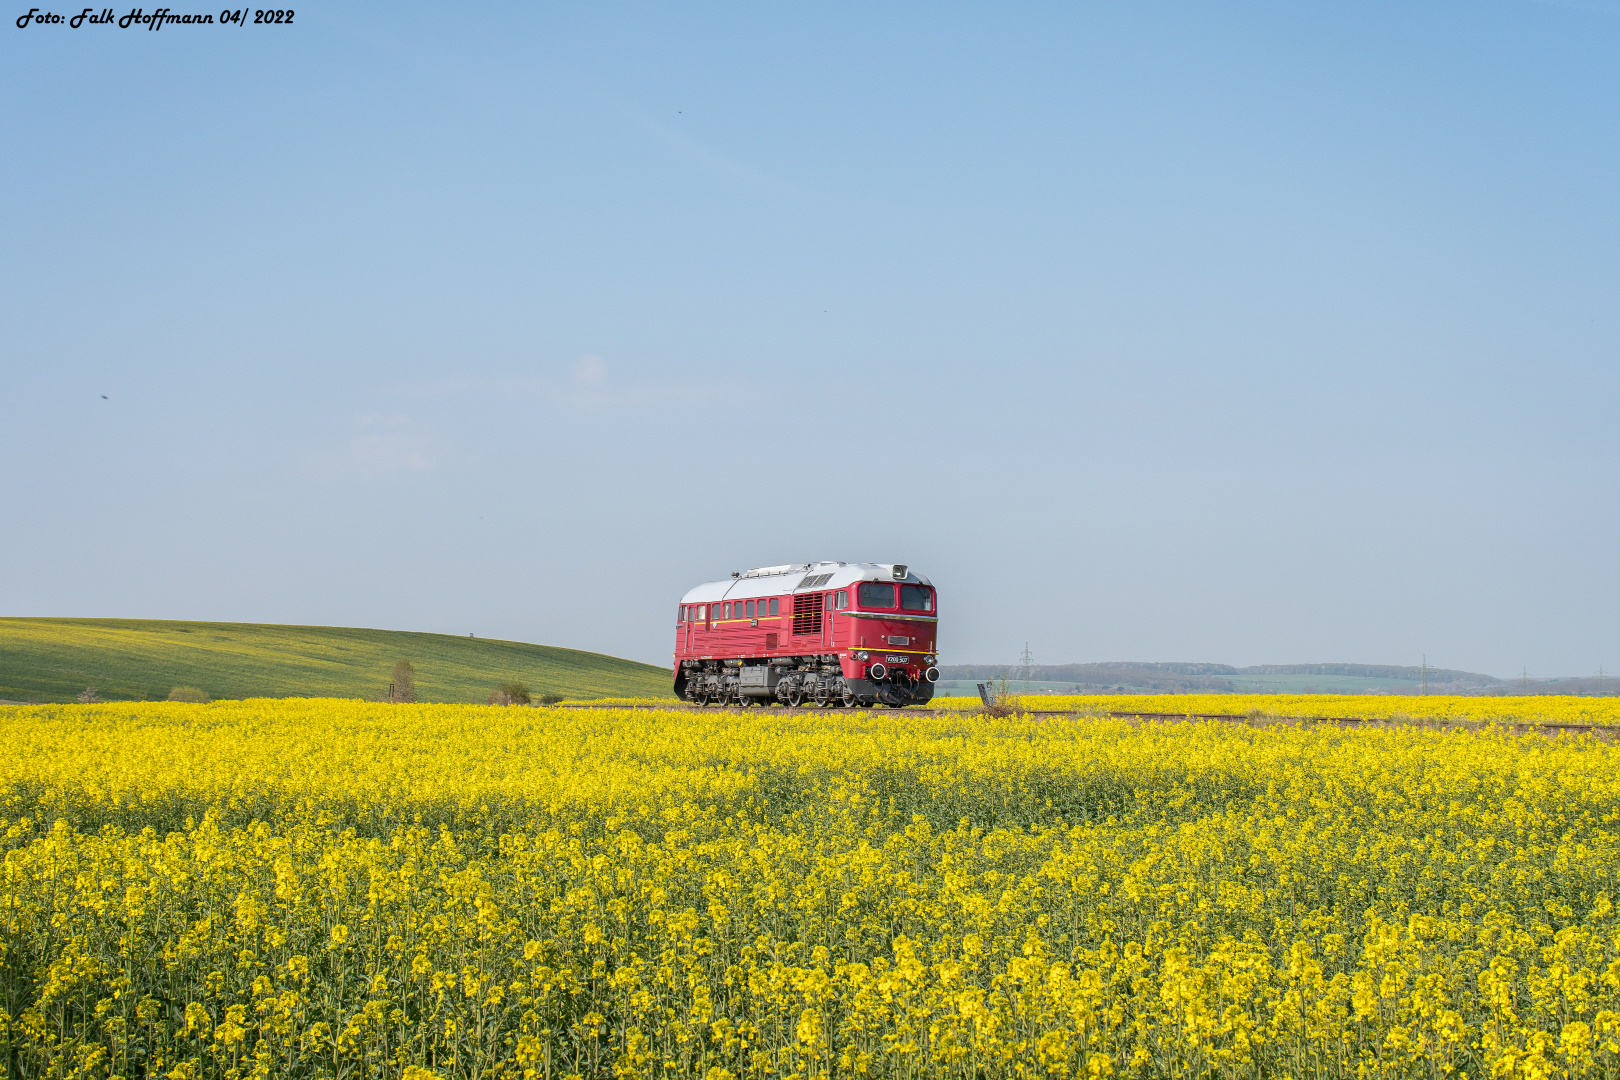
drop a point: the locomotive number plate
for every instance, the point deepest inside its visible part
(895, 659)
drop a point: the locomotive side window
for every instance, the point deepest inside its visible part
(750, 609)
(915, 598)
(773, 605)
(876, 594)
(843, 599)
(725, 611)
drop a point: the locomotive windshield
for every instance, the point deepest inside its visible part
(915, 598)
(881, 594)
(877, 594)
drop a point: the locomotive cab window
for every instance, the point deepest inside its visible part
(842, 600)
(876, 594)
(916, 598)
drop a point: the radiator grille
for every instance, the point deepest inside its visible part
(771, 641)
(807, 614)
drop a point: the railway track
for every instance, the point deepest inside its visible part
(1600, 730)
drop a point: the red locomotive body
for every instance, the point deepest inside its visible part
(833, 633)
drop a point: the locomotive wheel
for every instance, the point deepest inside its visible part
(849, 699)
(795, 698)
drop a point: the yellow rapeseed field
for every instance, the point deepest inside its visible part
(336, 889)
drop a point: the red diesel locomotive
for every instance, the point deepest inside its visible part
(835, 633)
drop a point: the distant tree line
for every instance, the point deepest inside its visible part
(1216, 678)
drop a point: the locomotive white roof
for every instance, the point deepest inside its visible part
(790, 577)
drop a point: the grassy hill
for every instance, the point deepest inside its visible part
(142, 659)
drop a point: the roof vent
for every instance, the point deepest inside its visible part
(772, 571)
(899, 570)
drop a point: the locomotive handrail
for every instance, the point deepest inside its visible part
(886, 615)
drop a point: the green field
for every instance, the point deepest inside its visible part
(54, 660)
(1248, 684)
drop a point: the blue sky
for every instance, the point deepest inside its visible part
(1150, 331)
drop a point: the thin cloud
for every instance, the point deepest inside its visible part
(379, 448)
(590, 371)
(705, 159)
(590, 384)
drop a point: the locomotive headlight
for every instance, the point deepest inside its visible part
(862, 656)
(930, 659)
